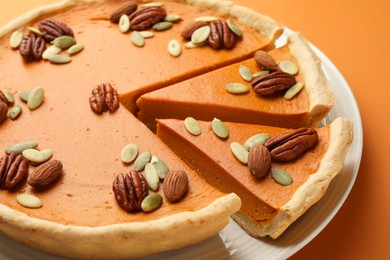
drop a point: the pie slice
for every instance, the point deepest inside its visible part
(268, 207)
(205, 96)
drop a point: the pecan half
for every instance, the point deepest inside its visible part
(3, 98)
(146, 18)
(3, 111)
(128, 8)
(129, 190)
(104, 97)
(52, 29)
(191, 28)
(13, 169)
(265, 61)
(273, 82)
(32, 47)
(221, 36)
(291, 145)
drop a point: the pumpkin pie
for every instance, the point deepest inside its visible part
(205, 96)
(268, 208)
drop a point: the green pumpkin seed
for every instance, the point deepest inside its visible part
(129, 153)
(20, 147)
(292, 91)
(174, 48)
(201, 34)
(152, 4)
(260, 73)
(257, 139)
(219, 128)
(15, 111)
(124, 23)
(161, 167)
(36, 156)
(10, 97)
(146, 34)
(236, 88)
(64, 41)
(137, 39)
(245, 73)
(29, 200)
(16, 39)
(151, 176)
(206, 19)
(281, 177)
(142, 160)
(239, 152)
(35, 98)
(51, 51)
(191, 45)
(24, 95)
(192, 126)
(162, 26)
(35, 31)
(234, 28)
(59, 59)
(288, 67)
(172, 18)
(151, 202)
(75, 49)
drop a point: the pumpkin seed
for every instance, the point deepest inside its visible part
(192, 126)
(172, 18)
(59, 59)
(245, 73)
(35, 98)
(151, 176)
(142, 160)
(191, 45)
(162, 26)
(64, 41)
(24, 95)
(15, 111)
(257, 139)
(124, 23)
(201, 34)
(16, 39)
(75, 49)
(29, 200)
(129, 153)
(239, 152)
(161, 167)
(206, 19)
(260, 73)
(20, 147)
(50, 51)
(36, 156)
(174, 48)
(152, 4)
(35, 31)
(288, 67)
(10, 97)
(233, 27)
(236, 88)
(146, 34)
(292, 91)
(219, 128)
(137, 39)
(151, 202)
(281, 177)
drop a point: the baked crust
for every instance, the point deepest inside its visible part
(312, 190)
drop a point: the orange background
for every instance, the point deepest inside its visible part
(355, 35)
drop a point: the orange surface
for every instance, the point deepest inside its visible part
(356, 37)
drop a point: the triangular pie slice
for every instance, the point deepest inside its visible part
(205, 96)
(268, 207)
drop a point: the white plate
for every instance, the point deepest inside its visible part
(233, 242)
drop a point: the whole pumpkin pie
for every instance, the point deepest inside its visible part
(269, 205)
(206, 96)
